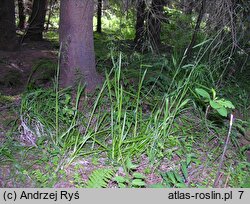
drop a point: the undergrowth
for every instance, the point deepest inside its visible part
(148, 105)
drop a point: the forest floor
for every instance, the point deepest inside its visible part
(17, 66)
(28, 167)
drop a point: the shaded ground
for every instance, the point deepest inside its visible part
(15, 71)
(16, 67)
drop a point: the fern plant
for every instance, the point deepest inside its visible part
(99, 178)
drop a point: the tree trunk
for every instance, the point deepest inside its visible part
(37, 20)
(196, 29)
(8, 39)
(188, 6)
(154, 24)
(77, 44)
(99, 17)
(139, 28)
(21, 14)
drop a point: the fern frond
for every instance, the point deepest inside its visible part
(99, 178)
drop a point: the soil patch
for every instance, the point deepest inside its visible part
(16, 67)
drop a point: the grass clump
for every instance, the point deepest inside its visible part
(145, 107)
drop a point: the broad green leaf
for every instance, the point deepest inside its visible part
(222, 111)
(229, 105)
(202, 93)
(184, 169)
(130, 165)
(197, 161)
(120, 179)
(138, 175)
(215, 104)
(121, 185)
(226, 104)
(181, 185)
(157, 185)
(138, 182)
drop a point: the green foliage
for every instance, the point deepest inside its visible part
(246, 183)
(240, 175)
(220, 105)
(4, 100)
(173, 179)
(184, 169)
(78, 182)
(136, 180)
(129, 165)
(144, 106)
(42, 179)
(125, 120)
(132, 178)
(173, 35)
(44, 120)
(114, 22)
(6, 154)
(99, 178)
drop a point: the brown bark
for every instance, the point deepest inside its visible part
(99, 17)
(8, 39)
(21, 14)
(188, 6)
(37, 20)
(154, 23)
(77, 44)
(139, 28)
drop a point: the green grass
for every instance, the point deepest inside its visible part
(152, 117)
(146, 106)
(124, 121)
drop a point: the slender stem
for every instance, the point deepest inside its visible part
(57, 94)
(224, 152)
